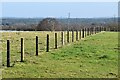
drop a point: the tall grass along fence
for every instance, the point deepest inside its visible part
(54, 41)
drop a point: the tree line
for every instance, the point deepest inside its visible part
(53, 24)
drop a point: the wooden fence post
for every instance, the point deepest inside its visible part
(36, 45)
(76, 35)
(47, 48)
(68, 36)
(90, 31)
(72, 36)
(105, 29)
(82, 33)
(95, 29)
(62, 38)
(22, 50)
(85, 32)
(55, 40)
(8, 53)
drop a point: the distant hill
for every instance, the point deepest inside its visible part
(12, 21)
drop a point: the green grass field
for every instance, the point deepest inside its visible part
(95, 56)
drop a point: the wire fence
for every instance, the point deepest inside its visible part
(21, 45)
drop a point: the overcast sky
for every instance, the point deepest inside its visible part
(59, 9)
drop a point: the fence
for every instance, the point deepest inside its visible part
(58, 39)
